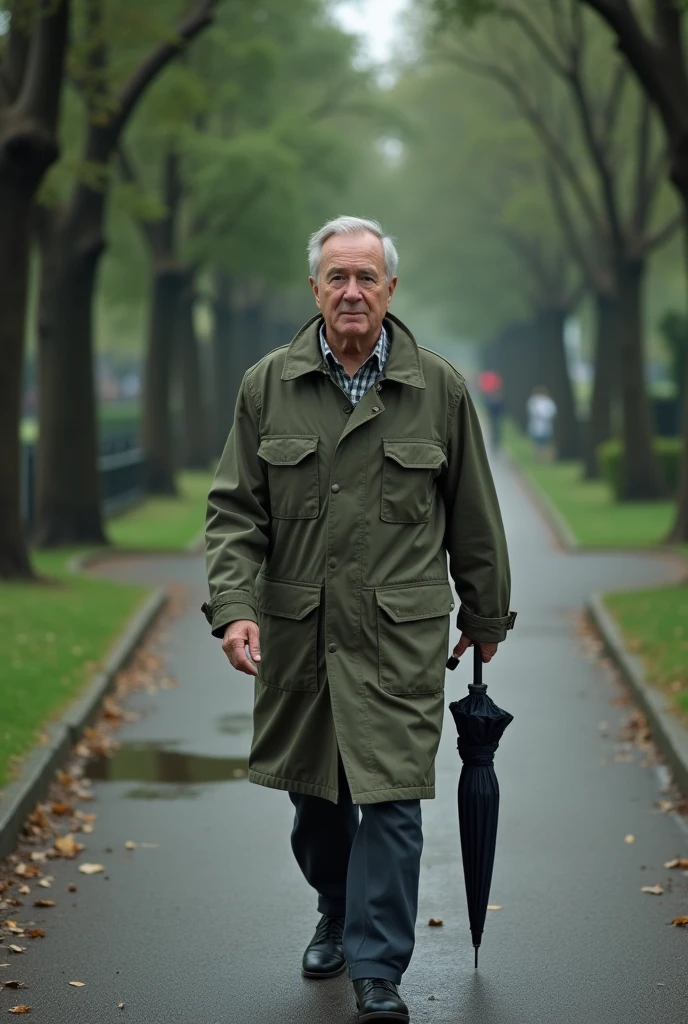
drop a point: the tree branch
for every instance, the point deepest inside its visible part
(568, 228)
(641, 187)
(150, 229)
(613, 104)
(665, 234)
(533, 33)
(42, 85)
(198, 17)
(548, 138)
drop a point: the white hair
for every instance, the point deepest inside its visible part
(351, 226)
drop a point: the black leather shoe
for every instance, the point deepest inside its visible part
(324, 957)
(378, 999)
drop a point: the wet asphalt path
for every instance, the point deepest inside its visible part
(209, 925)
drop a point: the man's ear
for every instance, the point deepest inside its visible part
(316, 290)
(392, 289)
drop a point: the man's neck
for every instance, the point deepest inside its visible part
(352, 350)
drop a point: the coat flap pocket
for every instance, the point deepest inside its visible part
(416, 601)
(414, 454)
(287, 451)
(288, 600)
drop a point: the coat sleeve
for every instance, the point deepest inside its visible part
(475, 540)
(237, 524)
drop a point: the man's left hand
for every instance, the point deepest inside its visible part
(487, 651)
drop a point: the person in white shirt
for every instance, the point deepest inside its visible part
(542, 411)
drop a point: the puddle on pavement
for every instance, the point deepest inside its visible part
(235, 725)
(177, 775)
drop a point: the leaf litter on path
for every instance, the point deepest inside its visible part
(91, 869)
(653, 890)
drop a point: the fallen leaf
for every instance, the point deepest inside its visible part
(15, 929)
(680, 922)
(77, 984)
(16, 984)
(91, 869)
(654, 890)
(87, 829)
(38, 856)
(665, 806)
(677, 862)
(60, 809)
(495, 906)
(4, 965)
(88, 818)
(44, 903)
(45, 883)
(17, 949)
(120, 1006)
(19, 1009)
(36, 933)
(67, 846)
(435, 922)
(27, 871)
(629, 839)
(72, 888)
(24, 890)
(129, 845)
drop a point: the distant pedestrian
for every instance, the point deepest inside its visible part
(542, 411)
(354, 467)
(492, 387)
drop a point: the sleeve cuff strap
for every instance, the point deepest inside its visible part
(489, 631)
(228, 608)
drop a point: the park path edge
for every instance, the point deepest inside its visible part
(19, 798)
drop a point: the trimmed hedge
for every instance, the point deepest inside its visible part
(668, 451)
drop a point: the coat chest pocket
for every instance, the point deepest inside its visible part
(288, 621)
(408, 479)
(413, 637)
(292, 475)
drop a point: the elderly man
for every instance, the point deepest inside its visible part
(355, 465)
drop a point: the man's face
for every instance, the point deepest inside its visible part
(352, 289)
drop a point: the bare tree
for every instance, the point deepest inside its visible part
(616, 239)
(31, 74)
(659, 61)
(68, 505)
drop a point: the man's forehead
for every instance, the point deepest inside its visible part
(364, 247)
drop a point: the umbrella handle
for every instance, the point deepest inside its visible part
(477, 686)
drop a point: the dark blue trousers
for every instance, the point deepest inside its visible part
(366, 871)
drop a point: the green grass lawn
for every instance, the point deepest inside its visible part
(593, 516)
(655, 624)
(165, 523)
(53, 634)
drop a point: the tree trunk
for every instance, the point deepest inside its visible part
(195, 434)
(156, 428)
(550, 325)
(223, 341)
(640, 473)
(521, 355)
(68, 485)
(679, 530)
(606, 365)
(15, 210)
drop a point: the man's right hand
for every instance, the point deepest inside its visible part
(238, 636)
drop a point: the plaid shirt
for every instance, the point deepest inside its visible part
(362, 381)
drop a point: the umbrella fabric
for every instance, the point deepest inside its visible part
(480, 725)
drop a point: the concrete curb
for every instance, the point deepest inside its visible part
(556, 522)
(668, 733)
(565, 536)
(19, 798)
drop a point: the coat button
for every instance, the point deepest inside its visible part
(376, 408)
(333, 565)
(332, 648)
(335, 488)
(348, 409)
(451, 607)
(378, 388)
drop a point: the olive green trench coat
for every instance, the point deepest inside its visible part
(330, 526)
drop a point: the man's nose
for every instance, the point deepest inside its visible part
(353, 292)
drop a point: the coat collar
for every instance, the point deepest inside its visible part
(304, 354)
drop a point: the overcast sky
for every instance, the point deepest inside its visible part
(375, 20)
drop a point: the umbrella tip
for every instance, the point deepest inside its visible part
(476, 957)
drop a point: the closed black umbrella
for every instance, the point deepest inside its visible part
(480, 724)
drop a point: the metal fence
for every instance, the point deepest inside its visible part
(121, 469)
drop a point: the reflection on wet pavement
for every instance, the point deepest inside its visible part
(180, 773)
